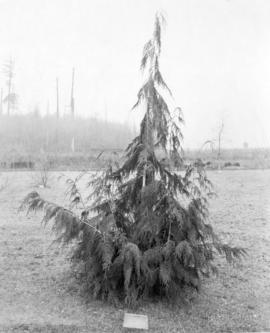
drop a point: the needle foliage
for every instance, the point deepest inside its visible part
(143, 229)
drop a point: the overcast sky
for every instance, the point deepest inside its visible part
(215, 59)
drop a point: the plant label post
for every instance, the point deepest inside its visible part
(135, 321)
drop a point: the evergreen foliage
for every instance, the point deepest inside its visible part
(143, 230)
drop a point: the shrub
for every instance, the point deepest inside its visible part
(42, 175)
(143, 230)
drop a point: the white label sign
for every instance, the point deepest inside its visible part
(137, 321)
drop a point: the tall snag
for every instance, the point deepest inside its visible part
(143, 229)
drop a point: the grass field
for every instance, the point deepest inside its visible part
(16, 159)
(39, 294)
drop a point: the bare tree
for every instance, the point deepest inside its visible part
(57, 99)
(215, 144)
(72, 104)
(220, 133)
(11, 98)
(209, 143)
(72, 109)
(47, 129)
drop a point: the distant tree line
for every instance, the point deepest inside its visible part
(32, 133)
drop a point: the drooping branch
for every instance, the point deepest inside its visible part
(143, 228)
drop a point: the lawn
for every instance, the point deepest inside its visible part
(39, 294)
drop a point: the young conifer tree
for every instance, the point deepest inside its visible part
(143, 230)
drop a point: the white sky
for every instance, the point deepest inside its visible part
(215, 59)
